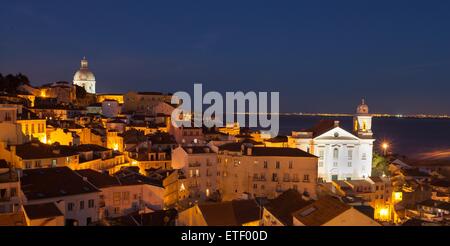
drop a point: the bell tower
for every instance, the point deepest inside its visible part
(362, 121)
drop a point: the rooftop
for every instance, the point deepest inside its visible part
(42, 210)
(285, 204)
(38, 150)
(42, 183)
(230, 213)
(321, 211)
(98, 179)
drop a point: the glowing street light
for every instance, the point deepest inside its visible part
(385, 146)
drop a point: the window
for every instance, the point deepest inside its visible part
(320, 163)
(286, 177)
(377, 187)
(278, 165)
(350, 154)
(81, 205)
(126, 196)
(290, 164)
(28, 164)
(54, 163)
(349, 164)
(116, 210)
(116, 198)
(91, 203)
(335, 164)
(37, 164)
(70, 206)
(306, 178)
(364, 156)
(295, 187)
(197, 173)
(13, 191)
(335, 153)
(295, 178)
(265, 164)
(321, 154)
(191, 173)
(274, 177)
(255, 186)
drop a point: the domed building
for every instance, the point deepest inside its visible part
(84, 77)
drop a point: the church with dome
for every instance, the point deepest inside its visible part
(343, 154)
(84, 77)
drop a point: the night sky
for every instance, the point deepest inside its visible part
(323, 56)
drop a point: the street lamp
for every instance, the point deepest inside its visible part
(385, 146)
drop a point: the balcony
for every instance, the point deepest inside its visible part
(259, 179)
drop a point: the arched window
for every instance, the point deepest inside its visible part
(335, 153)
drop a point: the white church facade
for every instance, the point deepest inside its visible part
(84, 77)
(342, 154)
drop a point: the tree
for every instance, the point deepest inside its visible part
(380, 165)
(10, 83)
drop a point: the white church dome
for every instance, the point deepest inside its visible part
(83, 73)
(84, 77)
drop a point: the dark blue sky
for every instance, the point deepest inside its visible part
(322, 56)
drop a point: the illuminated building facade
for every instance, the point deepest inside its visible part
(342, 154)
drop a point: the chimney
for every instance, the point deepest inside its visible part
(336, 123)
